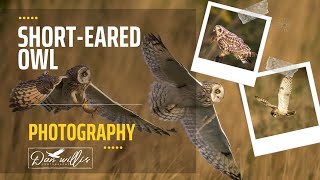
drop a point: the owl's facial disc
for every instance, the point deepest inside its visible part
(274, 113)
(217, 92)
(213, 35)
(84, 75)
(218, 30)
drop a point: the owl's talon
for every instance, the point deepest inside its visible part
(86, 108)
(218, 58)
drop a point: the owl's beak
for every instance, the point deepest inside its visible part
(64, 77)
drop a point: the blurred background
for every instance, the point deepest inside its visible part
(301, 101)
(290, 38)
(250, 33)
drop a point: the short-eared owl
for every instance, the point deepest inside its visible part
(56, 93)
(177, 95)
(230, 43)
(283, 99)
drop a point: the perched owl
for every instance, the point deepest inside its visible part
(230, 43)
(56, 93)
(283, 99)
(176, 95)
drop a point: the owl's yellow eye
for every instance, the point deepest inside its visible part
(85, 74)
(217, 91)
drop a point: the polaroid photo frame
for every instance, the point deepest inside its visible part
(224, 71)
(289, 140)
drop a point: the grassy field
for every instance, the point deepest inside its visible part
(300, 42)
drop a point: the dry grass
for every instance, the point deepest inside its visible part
(300, 43)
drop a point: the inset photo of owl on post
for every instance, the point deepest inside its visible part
(228, 41)
(281, 103)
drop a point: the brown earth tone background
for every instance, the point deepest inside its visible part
(300, 42)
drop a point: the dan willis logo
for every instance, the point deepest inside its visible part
(60, 158)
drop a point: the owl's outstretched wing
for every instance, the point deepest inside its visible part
(284, 93)
(265, 102)
(113, 111)
(33, 92)
(203, 127)
(163, 65)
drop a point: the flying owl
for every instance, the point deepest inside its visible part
(283, 99)
(230, 43)
(56, 93)
(176, 95)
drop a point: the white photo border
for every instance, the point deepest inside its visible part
(224, 71)
(289, 140)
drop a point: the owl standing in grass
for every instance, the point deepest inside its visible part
(230, 43)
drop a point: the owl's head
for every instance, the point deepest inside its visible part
(80, 74)
(275, 112)
(219, 30)
(217, 92)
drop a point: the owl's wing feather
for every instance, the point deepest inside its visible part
(233, 45)
(203, 127)
(163, 65)
(233, 36)
(210, 129)
(265, 102)
(113, 111)
(163, 102)
(284, 93)
(32, 92)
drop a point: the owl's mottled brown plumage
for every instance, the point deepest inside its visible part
(28, 93)
(230, 43)
(177, 95)
(56, 93)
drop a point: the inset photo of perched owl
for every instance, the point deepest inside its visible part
(228, 41)
(175, 95)
(231, 44)
(281, 102)
(75, 89)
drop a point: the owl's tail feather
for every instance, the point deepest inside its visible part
(159, 98)
(245, 61)
(253, 54)
(245, 57)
